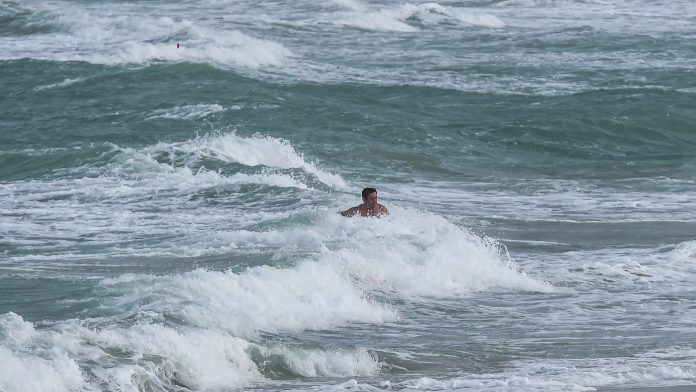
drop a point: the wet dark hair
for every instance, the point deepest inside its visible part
(366, 192)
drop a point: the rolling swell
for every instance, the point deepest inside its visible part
(615, 133)
(18, 21)
(169, 215)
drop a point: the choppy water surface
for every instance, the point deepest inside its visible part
(169, 215)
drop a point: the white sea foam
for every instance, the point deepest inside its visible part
(517, 383)
(34, 373)
(355, 5)
(666, 368)
(382, 20)
(670, 365)
(153, 355)
(414, 253)
(106, 35)
(327, 363)
(187, 112)
(220, 48)
(477, 19)
(309, 296)
(410, 253)
(671, 267)
(608, 16)
(138, 172)
(201, 359)
(118, 204)
(198, 359)
(64, 83)
(14, 331)
(565, 201)
(279, 180)
(684, 254)
(145, 34)
(29, 368)
(419, 254)
(397, 18)
(258, 150)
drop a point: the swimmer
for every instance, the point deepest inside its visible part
(369, 207)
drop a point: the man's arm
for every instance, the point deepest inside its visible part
(350, 212)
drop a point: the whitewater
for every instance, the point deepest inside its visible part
(171, 176)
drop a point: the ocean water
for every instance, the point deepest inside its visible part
(168, 216)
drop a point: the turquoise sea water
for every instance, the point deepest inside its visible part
(168, 216)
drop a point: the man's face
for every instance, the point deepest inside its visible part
(371, 200)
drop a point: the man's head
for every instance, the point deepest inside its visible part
(369, 196)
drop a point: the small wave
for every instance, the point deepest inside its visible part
(279, 180)
(322, 363)
(64, 83)
(418, 254)
(670, 364)
(221, 48)
(668, 367)
(401, 18)
(37, 369)
(153, 356)
(636, 266)
(684, 253)
(309, 296)
(382, 20)
(478, 19)
(425, 255)
(141, 39)
(187, 112)
(178, 170)
(258, 150)
(16, 20)
(195, 358)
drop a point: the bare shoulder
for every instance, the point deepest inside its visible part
(351, 211)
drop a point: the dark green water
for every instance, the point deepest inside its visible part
(168, 216)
